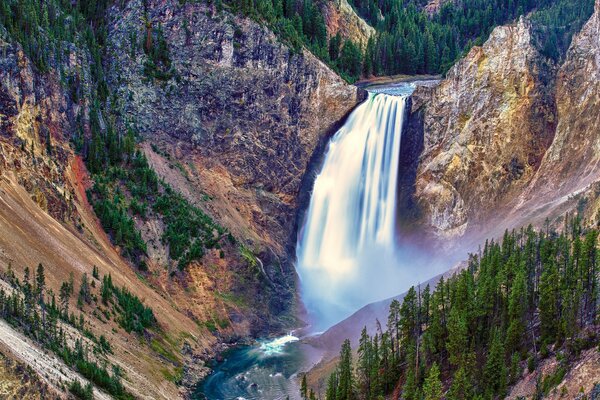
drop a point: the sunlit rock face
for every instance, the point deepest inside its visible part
(38, 118)
(509, 137)
(341, 18)
(572, 162)
(485, 128)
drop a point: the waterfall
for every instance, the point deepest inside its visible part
(348, 237)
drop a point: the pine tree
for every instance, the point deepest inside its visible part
(40, 283)
(332, 385)
(304, 388)
(64, 296)
(457, 336)
(495, 367)
(346, 380)
(365, 365)
(432, 388)
(410, 390)
(548, 302)
(461, 387)
(516, 311)
(84, 291)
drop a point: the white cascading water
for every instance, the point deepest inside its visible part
(348, 238)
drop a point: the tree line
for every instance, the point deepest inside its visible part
(34, 309)
(532, 295)
(407, 39)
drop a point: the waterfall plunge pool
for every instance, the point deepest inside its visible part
(264, 371)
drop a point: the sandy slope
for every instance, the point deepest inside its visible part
(28, 236)
(48, 366)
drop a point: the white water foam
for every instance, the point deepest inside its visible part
(277, 346)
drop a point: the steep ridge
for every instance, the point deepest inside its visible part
(571, 164)
(508, 137)
(214, 133)
(45, 218)
(486, 128)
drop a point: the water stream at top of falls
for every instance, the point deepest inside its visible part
(348, 239)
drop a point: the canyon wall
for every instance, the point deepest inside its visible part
(509, 136)
(234, 129)
(242, 112)
(341, 18)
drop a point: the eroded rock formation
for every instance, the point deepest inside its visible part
(243, 111)
(509, 136)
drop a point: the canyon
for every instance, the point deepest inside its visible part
(508, 138)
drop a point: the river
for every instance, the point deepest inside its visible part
(264, 371)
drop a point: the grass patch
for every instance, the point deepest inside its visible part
(175, 375)
(161, 348)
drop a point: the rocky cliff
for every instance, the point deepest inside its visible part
(571, 164)
(507, 136)
(37, 117)
(242, 111)
(45, 219)
(233, 126)
(341, 18)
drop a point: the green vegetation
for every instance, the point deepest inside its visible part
(408, 41)
(35, 311)
(299, 22)
(554, 379)
(134, 316)
(81, 392)
(125, 186)
(158, 64)
(556, 25)
(530, 296)
(188, 232)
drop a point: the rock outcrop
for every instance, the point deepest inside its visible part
(37, 118)
(243, 112)
(572, 163)
(486, 128)
(341, 18)
(45, 218)
(510, 137)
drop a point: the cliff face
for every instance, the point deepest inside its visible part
(508, 135)
(572, 162)
(37, 117)
(341, 18)
(45, 218)
(234, 130)
(242, 113)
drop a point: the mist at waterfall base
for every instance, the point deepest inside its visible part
(348, 252)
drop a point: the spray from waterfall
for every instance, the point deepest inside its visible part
(347, 251)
